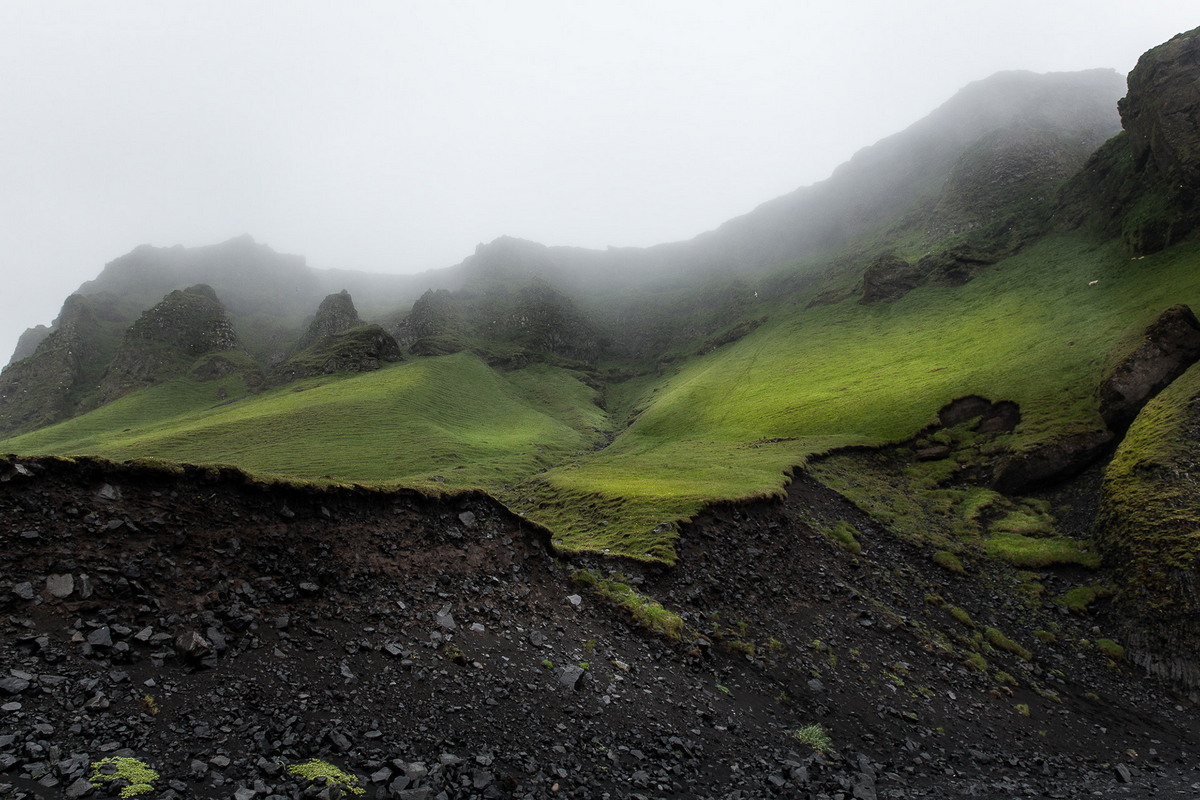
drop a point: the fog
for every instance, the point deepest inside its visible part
(395, 136)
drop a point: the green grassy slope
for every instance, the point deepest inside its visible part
(729, 425)
(726, 425)
(448, 422)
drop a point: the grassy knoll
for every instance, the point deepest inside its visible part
(448, 422)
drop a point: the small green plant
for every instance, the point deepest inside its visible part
(723, 689)
(1111, 649)
(740, 646)
(585, 665)
(1001, 642)
(1080, 598)
(1022, 709)
(814, 736)
(646, 611)
(315, 768)
(961, 616)
(151, 704)
(589, 646)
(138, 775)
(547, 663)
(845, 536)
(950, 562)
(977, 661)
(1045, 637)
(455, 654)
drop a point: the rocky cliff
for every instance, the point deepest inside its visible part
(46, 386)
(338, 341)
(1142, 185)
(335, 314)
(167, 339)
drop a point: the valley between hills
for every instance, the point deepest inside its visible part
(883, 490)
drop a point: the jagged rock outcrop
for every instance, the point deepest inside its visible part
(1143, 185)
(167, 339)
(889, 278)
(363, 348)
(338, 341)
(45, 387)
(956, 266)
(1161, 112)
(1167, 348)
(546, 320)
(335, 314)
(28, 342)
(434, 314)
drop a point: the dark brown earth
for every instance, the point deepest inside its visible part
(217, 628)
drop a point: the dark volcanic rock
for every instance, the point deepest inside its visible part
(1161, 112)
(1168, 347)
(1143, 184)
(360, 349)
(38, 390)
(166, 339)
(998, 417)
(335, 314)
(501, 705)
(1050, 462)
(888, 278)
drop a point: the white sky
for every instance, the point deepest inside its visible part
(395, 136)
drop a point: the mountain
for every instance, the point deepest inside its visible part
(978, 333)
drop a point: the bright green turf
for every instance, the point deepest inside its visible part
(727, 425)
(449, 418)
(1030, 329)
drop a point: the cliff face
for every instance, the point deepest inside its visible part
(45, 387)
(335, 314)
(167, 339)
(1161, 112)
(1143, 184)
(338, 341)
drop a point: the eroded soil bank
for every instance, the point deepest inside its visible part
(218, 629)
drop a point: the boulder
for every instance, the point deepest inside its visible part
(1167, 348)
(1050, 462)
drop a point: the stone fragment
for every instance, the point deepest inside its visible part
(192, 645)
(60, 586)
(81, 787)
(100, 637)
(570, 676)
(13, 685)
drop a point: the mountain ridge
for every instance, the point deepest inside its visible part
(614, 417)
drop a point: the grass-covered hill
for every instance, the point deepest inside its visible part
(999, 250)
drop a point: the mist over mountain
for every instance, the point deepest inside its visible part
(887, 488)
(1024, 132)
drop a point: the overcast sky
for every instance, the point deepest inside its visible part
(395, 136)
